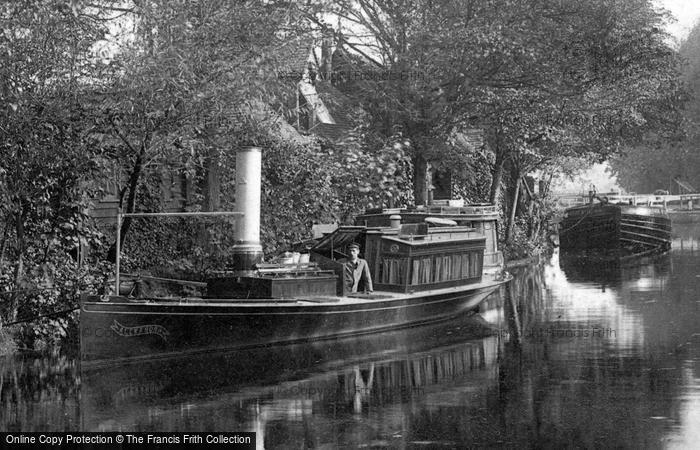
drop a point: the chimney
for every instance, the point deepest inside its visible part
(327, 54)
(247, 250)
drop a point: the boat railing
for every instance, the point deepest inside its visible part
(421, 232)
(470, 210)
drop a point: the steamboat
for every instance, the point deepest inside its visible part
(428, 264)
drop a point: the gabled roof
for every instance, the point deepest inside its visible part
(335, 113)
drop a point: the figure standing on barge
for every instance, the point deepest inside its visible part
(357, 276)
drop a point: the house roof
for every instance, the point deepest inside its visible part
(345, 110)
(331, 131)
(316, 102)
(294, 55)
(336, 112)
(470, 139)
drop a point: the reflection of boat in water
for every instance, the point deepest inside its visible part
(578, 268)
(614, 231)
(427, 269)
(608, 301)
(282, 384)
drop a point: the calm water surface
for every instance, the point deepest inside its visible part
(609, 357)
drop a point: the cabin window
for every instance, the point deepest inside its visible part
(475, 262)
(433, 269)
(394, 271)
(422, 270)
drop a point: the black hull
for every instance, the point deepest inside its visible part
(621, 229)
(123, 331)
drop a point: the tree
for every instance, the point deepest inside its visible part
(541, 78)
(47, 164)
(180, 90)
(662, 157)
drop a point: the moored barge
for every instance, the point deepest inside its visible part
(426, 268)
(618, 230)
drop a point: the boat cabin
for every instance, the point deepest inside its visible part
(406, 251)
(483, 218)
(407, 257)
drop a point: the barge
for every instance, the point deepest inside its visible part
(428, 265)
(615, 230)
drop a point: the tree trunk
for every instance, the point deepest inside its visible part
(19, 268)
(420, 180)
(134, 179)
(511, 219)
(498, 169)
(212, 188)
(3, 245)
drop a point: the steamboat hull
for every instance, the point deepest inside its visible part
(123, 331)
(615, 227)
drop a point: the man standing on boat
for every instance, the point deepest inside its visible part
(357, 277)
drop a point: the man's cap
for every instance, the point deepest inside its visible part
(354, 245)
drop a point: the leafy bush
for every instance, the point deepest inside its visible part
(531, 231)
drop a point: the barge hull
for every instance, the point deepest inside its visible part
(615, 227)
(123, 331)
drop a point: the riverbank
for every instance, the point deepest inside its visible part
(532, 260)
(7, 343)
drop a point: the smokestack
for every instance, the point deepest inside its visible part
(247, 250)
(327, 54)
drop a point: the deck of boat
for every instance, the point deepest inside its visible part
(314, 301)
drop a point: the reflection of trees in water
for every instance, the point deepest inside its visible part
(686, 238)
(522, 299)
(39, 394)
(587, 401)
(592, 391)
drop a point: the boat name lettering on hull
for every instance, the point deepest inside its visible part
(139, 330)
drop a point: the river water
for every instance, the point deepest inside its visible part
(596, 356)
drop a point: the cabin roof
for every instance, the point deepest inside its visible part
(431, 242)
(341, 237)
